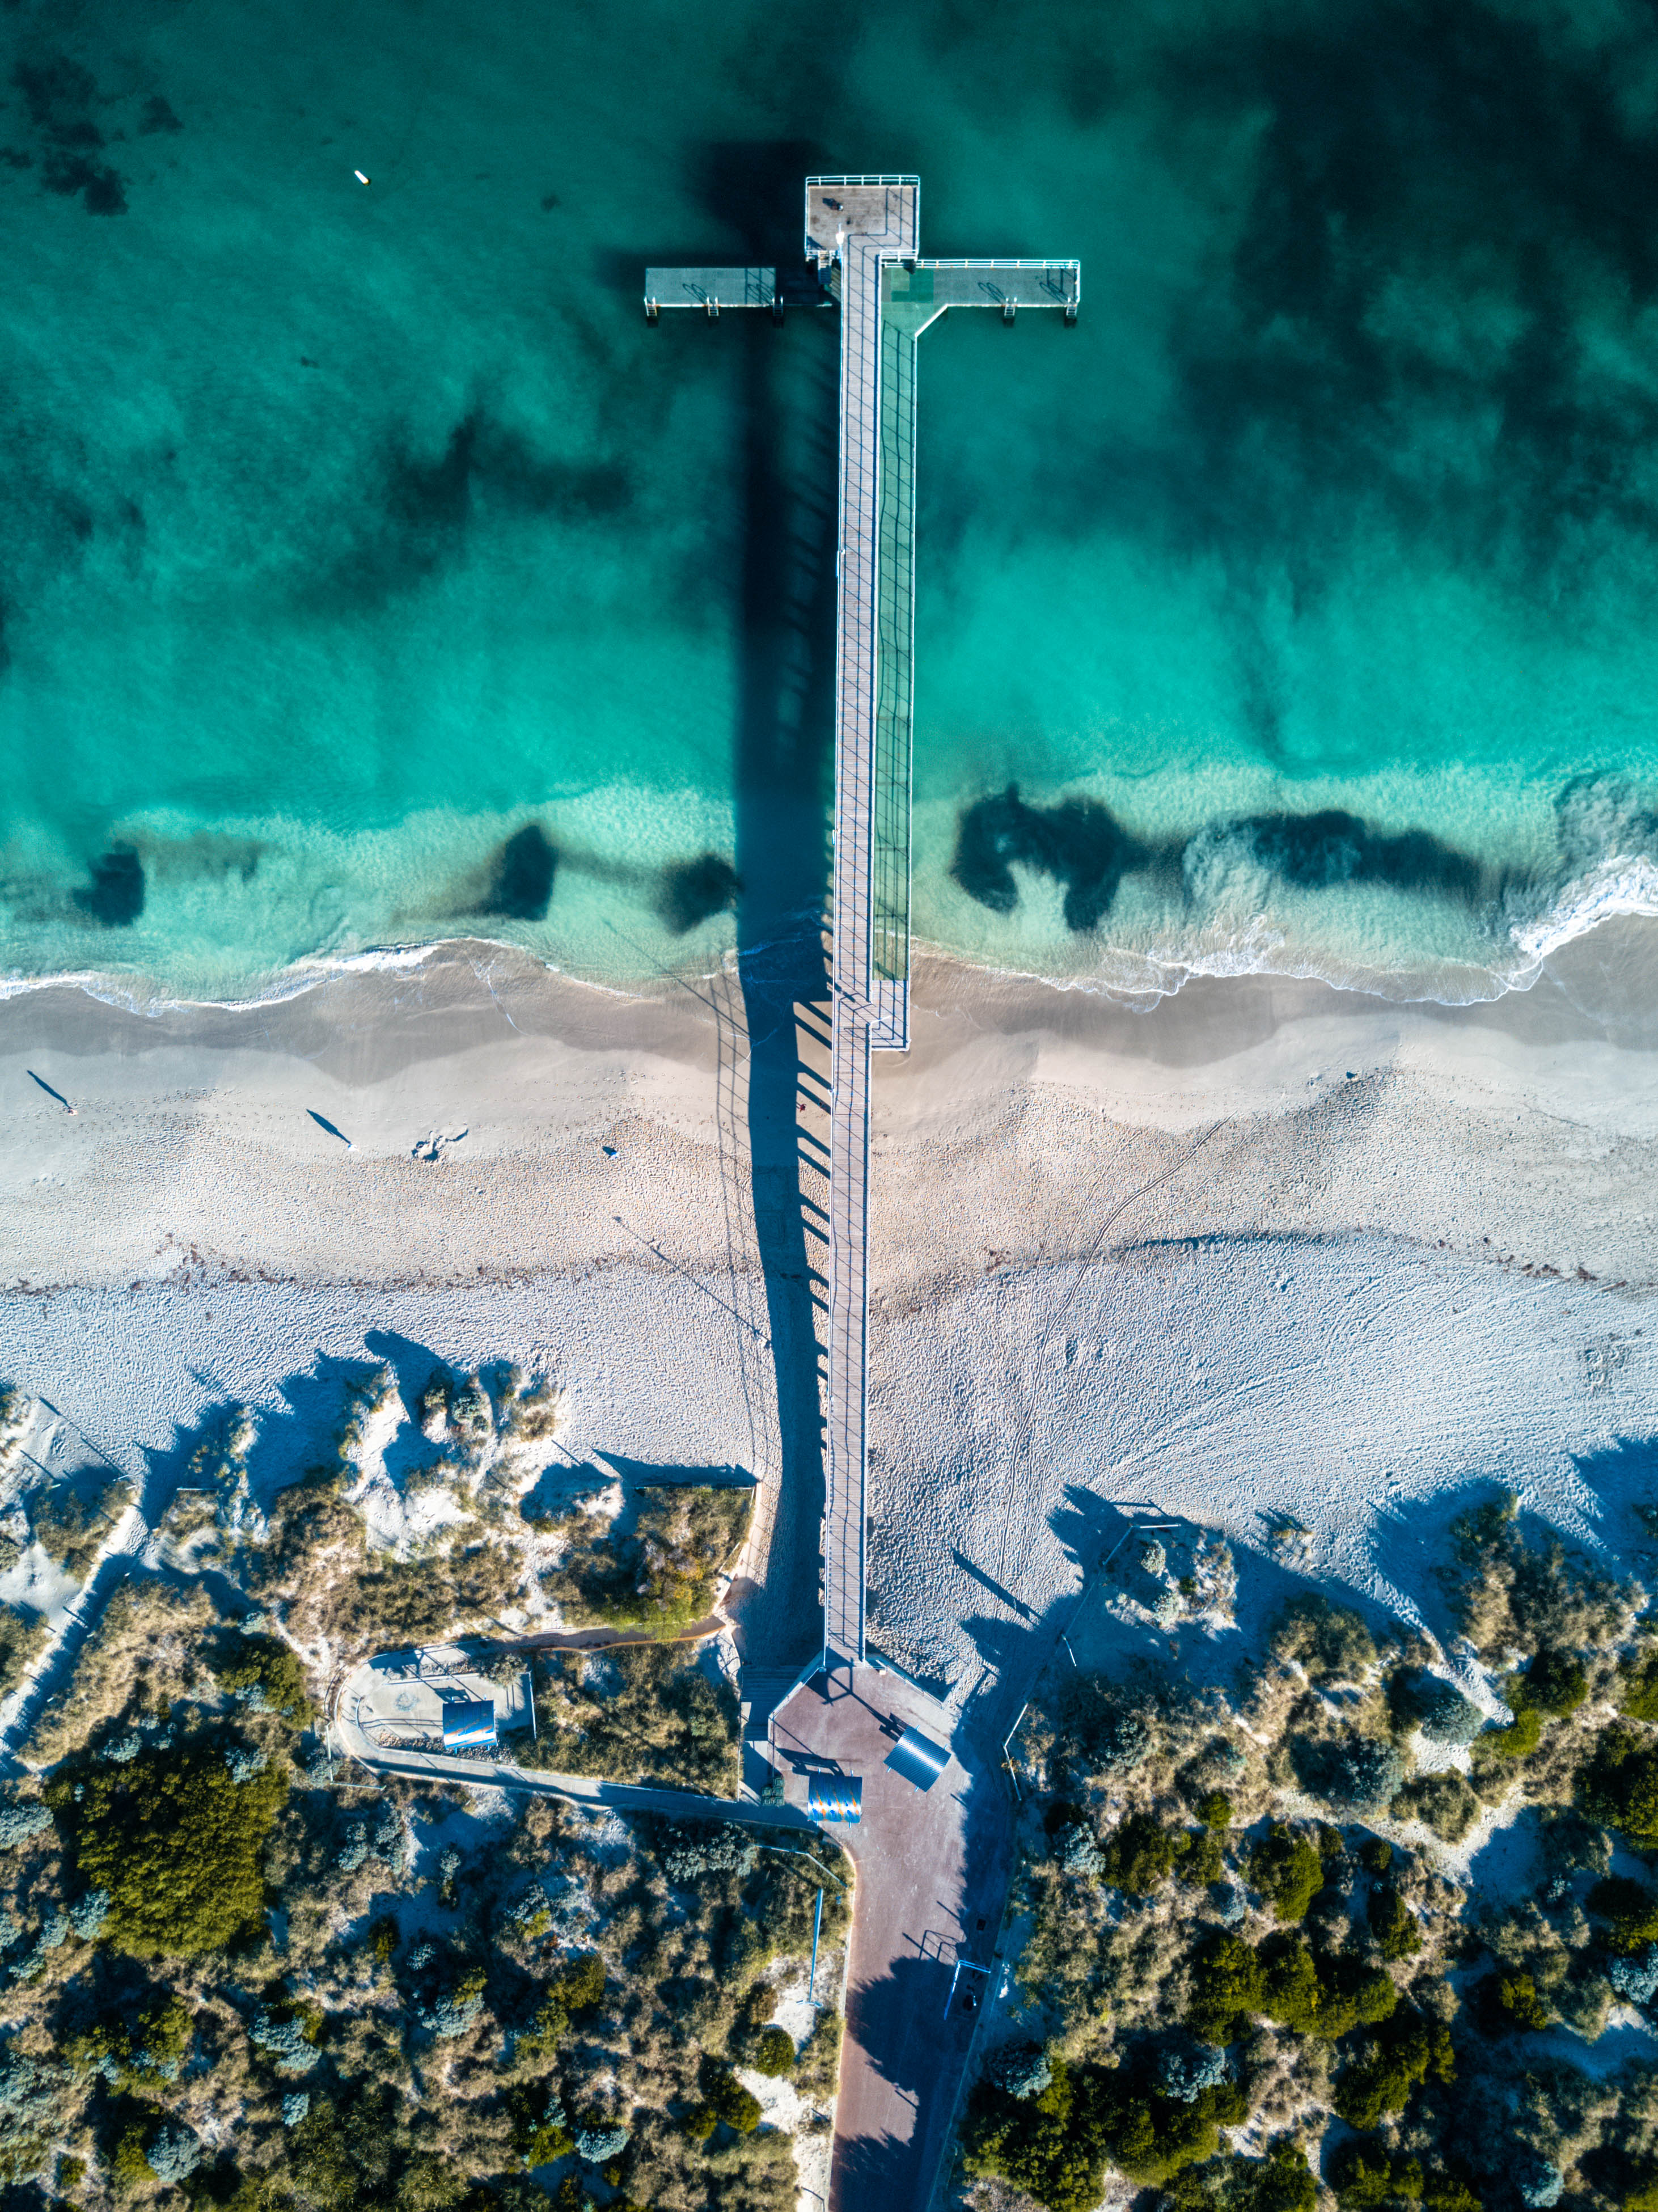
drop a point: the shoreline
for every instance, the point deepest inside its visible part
(1620, 891)
(447, 1120)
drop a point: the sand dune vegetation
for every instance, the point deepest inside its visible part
(237, 1975)
(1261, 1960)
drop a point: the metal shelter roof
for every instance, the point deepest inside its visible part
(469, 1721)
(918, 1758)
(836, 1798)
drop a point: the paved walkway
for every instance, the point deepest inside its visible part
(356, 1713)
(933, 1867)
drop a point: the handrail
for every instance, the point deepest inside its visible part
(863, 180)
(986, 261)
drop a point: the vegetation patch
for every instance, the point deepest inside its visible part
(635, 1712)
(242, 1974)
(69, 1525)
(1443, 1802)
(174, 1838)
(663, 1574)
(23, 1635)
(1237, 2014)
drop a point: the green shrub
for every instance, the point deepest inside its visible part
(1555, 1681)
(1281, 2182)
(1510, 2001)
(1138, 1854)
(701, 2121)
(540, 2131)
(1375, 1856)
(129, 2167)
(577, 1989)
(1325, 1997)
(1052, 2146)
(1637, 1688)
(1619, 1785)
(1444, 2193)
(737, 2108)
(773, 2051)
(1387, 2065)
(1331, 1642)
(1393, 1922)
(345, 2152)
(136, 2047)
(1361, 2173)
(1202, 1859)
(1149, 2137)
(1291, 1993)
(1215, 1810)
(1443, 1802)
(1629, 1910)
(176, 1841)
(1285, 1867)
(1226, 1985)
(1521, 1736)
(663, 1574)
(272, 1675)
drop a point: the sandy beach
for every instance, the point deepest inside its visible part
(1266, 1241)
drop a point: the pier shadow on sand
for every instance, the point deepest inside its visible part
(784, 755)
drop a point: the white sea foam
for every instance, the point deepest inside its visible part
(1624, 886)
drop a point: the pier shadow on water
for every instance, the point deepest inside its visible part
(784, 756)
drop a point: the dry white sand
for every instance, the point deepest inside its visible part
(1269, 1245)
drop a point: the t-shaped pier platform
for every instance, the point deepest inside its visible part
(860, 251)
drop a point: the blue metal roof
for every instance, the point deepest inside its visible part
(836, 1796)
(469, 1722)
(918, 1758)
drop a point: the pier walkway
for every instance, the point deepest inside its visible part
(860, 252)
(862, 232)
(857, 224)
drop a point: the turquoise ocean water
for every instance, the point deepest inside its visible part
(371, 574)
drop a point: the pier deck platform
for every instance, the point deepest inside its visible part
(710, 288)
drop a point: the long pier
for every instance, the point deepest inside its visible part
(861, 242)
(856, 225)
(863, 229)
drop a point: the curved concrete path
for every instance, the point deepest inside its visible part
(358, 1708)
